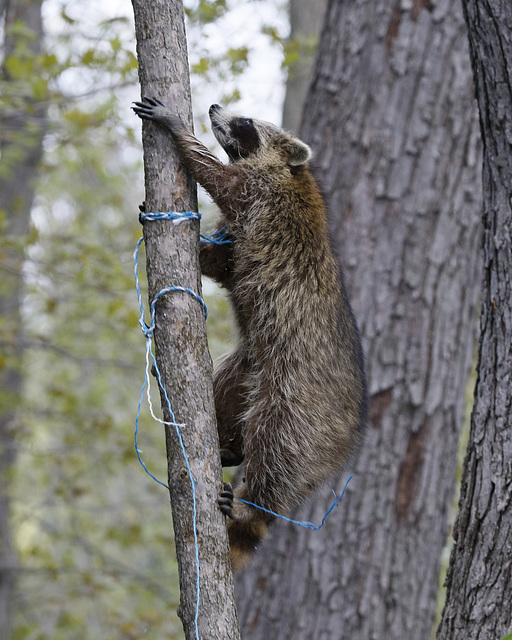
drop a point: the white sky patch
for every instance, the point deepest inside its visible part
(262, 83)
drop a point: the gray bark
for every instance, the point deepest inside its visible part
(391, 117)
(21, 136)
(479, 581)
(180, 335)
(305, 23)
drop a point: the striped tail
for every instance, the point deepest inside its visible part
(244, 538)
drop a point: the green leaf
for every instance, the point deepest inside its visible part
(201, 67)
(89, 57)
(115, 43)
(238, 59)
(273, 33)
(210, 10)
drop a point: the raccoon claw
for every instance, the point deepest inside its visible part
(225, 500)
(155, 102)
(146, 108)
(142, 210)
(155, 110)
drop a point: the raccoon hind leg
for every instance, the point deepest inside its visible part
(230, 391)
(246, 531)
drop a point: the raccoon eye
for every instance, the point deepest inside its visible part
(245, 122)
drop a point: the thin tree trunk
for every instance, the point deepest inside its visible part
(390, 115)
(21, 138)
(180, 335)
(306, 19)
(479, 594)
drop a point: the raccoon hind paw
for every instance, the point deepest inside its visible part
(225, 500)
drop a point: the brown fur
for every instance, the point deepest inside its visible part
(291, 399)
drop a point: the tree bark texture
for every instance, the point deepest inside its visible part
(180, 335)
(391, 117)
(21, 142)
(479, 581)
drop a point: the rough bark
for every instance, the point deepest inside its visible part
(479, 594)
(180, 335)
(391, 117)
(305, 23)
(21, 137)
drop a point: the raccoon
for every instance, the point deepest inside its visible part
(291, 399)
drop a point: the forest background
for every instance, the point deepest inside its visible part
(86, 539)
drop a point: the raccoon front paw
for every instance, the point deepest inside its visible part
(149, 108)
(155, 110)
(225, 500)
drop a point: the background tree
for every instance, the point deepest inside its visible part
(391, 118)
(22, 126)
(479, 596)
(306, 20)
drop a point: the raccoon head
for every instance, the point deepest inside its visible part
(243, 138)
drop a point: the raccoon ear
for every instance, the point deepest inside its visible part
(297, 151)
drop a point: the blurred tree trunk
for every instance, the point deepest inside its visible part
(22, 125)
(479, 595)
(305, 24)
(391, 117)
(181, 349)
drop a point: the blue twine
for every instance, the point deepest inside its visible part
(176, 216)
(305, 525)
(217, 237)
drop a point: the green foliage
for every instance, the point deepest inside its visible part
(206, 11)
(296, 51)
(230, 63)
(92, 530)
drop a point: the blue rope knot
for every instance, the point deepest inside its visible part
(217, 237)
(176, 216)
(146, 330)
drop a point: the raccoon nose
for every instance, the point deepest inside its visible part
(214, 107)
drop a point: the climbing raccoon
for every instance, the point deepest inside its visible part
(291, 399)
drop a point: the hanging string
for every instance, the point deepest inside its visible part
(303, 524)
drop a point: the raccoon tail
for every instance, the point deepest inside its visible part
(244, 538)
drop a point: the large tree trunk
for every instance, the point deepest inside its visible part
(21, 135)
(390, 115)
(479, 596)
(180, 337)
